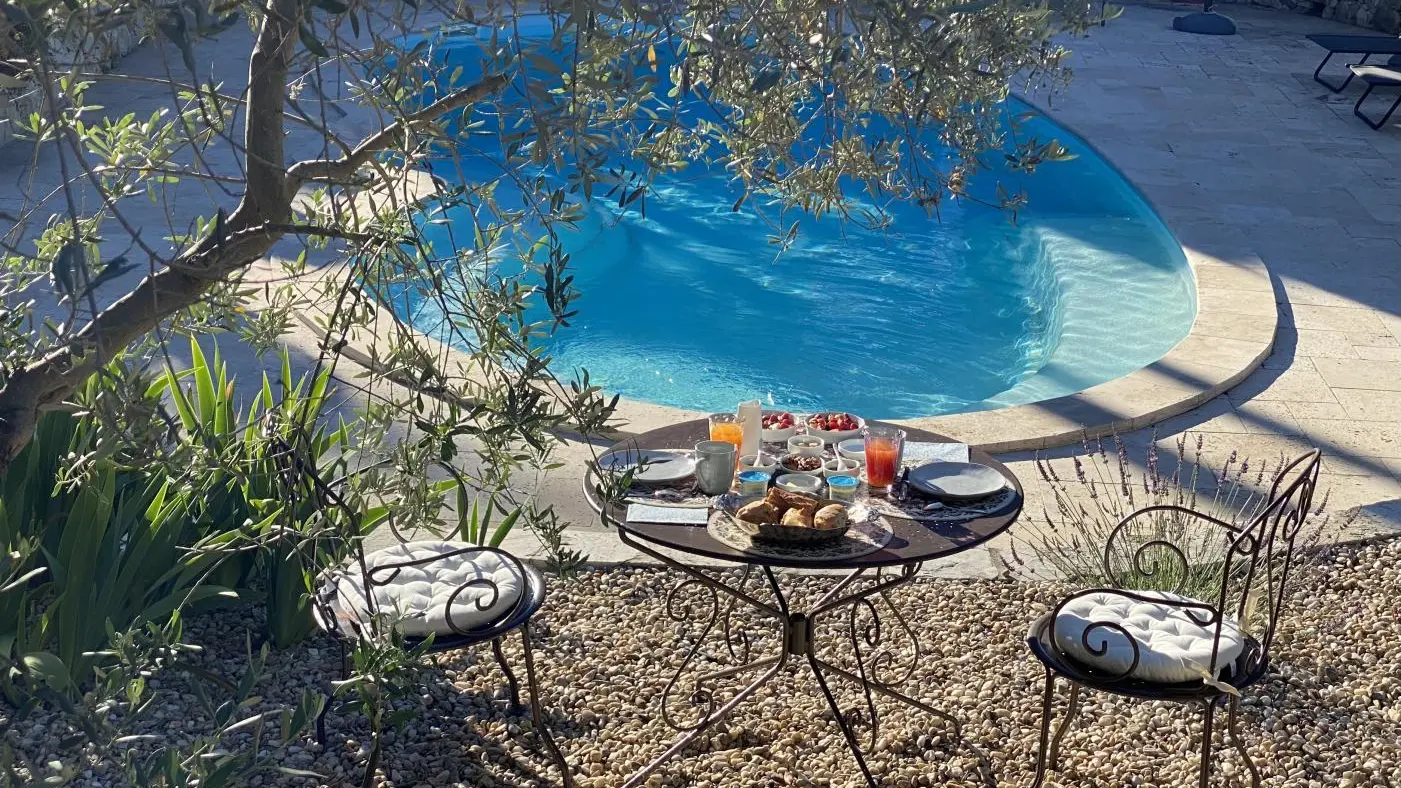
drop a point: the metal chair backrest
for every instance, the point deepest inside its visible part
(1253, 571)
(1279, 524)
(298, 479)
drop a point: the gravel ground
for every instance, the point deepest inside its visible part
(1329, 715)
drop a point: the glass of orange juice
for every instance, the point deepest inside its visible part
(884, 447)
(726, 427)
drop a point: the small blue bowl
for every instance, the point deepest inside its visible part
(753, 482)
(842, 488)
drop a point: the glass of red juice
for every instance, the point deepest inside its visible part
(884, 447)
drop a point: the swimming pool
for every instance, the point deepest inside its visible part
(690, 306)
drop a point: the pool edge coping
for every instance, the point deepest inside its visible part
(1231, 336)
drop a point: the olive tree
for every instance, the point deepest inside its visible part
(310, 153)
(265, 165)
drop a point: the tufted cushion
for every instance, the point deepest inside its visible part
(418, 596)
(1172, 647)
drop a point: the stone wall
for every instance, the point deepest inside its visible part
(19, 98)
(17, 102)
(1383, 15)
(1310, 7)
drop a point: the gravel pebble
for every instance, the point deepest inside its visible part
(1328, 714)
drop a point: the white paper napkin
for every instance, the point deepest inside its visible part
(919, 452)
(668, 515)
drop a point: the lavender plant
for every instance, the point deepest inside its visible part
(1091, 493)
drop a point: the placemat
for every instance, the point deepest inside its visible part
(667, 515)
(688, 497)
(920, 452)
(925, 509)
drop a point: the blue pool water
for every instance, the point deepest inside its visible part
(690, 307)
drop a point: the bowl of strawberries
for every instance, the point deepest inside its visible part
(779, 426)
(834, 427)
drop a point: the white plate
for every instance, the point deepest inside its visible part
(660, 466)
(957, 480)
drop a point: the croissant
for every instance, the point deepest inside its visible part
(774, 498)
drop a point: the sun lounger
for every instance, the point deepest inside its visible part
(1366, 46)
(1377, 77)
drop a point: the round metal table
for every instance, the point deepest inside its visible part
(859, 594)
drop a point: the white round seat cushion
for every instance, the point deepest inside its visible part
(1171, 647)
(418, 596)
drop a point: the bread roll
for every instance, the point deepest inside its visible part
(830, 516)
(758, 512)
(798, 518)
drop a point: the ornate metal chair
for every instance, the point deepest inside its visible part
(459, 593)
(1157, 645)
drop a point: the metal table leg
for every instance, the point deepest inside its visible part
(797, 631)
(737, 646)
(709, 720)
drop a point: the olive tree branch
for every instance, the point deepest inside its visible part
(344, 168)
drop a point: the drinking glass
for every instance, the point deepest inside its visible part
(727, 427)
(715, 466)
(884, 447)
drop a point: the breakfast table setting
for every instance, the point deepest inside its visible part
(730, 501)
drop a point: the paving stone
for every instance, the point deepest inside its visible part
(1377, 375)
(1306, 411)
(1370, 406)
(1370, 353)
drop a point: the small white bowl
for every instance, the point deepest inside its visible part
(793, 463)
(780, 436)
(800, 483)
(835, 436)
(841, 466)
(810, 445)
(853, 449)
(760, 462)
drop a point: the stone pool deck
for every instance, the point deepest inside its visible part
(1250, 161)
(1289, 208)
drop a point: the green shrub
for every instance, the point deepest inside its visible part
(237, 482)
(108, 551)
(99, 537)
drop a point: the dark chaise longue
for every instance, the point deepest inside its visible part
(1377, 77)
(1366, 46)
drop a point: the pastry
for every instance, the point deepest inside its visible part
(774, 498)
(799, 518)
(830, 516)
(808, 506)
(784, 500)
(758, 512)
